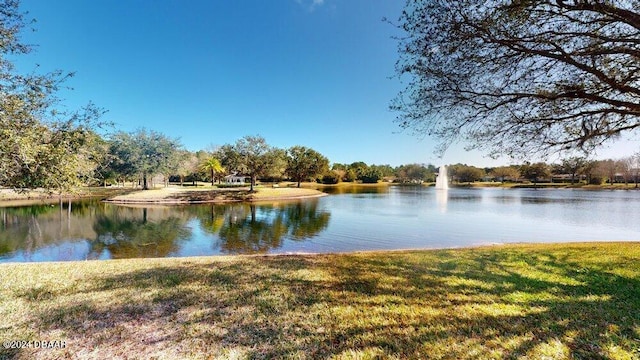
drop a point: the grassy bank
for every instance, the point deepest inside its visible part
(212, 194)
(533, 301)
(10, 197)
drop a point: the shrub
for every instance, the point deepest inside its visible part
(350, 175)
(372, 176)
(331, 177)
(596, 180)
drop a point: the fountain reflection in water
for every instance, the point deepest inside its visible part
(442, 181)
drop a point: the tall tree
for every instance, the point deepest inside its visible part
(415, 172)
(505, 172)
(304, 163)
(633, 163)
(186, 164)
(610, 169)
(519, 77)
(253, 157)
(41, 145)
(535, 172)
(143, 153)
(357, 169)
(371, 176)
(465, 173)
(591, 171)
(573, 165)
(229, 158)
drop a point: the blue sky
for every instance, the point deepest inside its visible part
(318, 73)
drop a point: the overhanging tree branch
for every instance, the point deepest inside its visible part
(514, 76)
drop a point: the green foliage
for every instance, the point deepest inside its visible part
(503, 173)
(465, 173)
(415, 173)
(142, 153)
(184, 163)
(573, 165)
(278, 167)
(229, 158)
(212, 165)
(41, 146)
(252, 156)
(569, 301)
(338, 166)
(535, 172)
(385, 170)
(331, 177)
(304, 163)
(350, 175)
(359, 168)
(371, 176)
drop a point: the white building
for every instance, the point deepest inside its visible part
(234, 179)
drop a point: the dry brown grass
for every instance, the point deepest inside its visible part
(177, 195)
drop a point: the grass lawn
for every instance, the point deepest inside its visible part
(575, 301)
(267, 193)
(212, 194)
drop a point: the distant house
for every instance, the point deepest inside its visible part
(234, 179)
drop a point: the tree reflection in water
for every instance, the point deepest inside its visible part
(26, 229)
(134, 232)
(96, 230)
(254, 229)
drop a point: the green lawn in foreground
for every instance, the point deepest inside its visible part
(577, 301)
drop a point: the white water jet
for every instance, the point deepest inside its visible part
(442, 180)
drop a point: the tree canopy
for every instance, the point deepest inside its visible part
(252, 156)
(505, 172)
(41, 146)
(304, 163)
(142, 153)
(535, 172)
(518, 77)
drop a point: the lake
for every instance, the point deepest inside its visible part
(377, 218)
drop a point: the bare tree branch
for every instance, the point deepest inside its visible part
(515, 77)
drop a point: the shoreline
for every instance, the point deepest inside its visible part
(213, 201)
(179, 196)
(380, 252)
(124, 195)
(11, 198)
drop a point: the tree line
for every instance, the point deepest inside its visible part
(140, 155)
(572, 170)
(42, 145)
(134, 156)
(480, 71)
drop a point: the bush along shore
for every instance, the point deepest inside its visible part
(567, 301)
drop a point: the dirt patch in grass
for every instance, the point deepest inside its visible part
(572, 301)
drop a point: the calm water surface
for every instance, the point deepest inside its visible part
(366, 219)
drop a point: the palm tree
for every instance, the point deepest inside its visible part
(213, 165)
